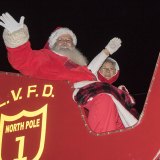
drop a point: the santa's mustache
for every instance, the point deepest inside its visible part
(71, 53)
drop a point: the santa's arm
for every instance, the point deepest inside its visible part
(111, 47)
(16, 38)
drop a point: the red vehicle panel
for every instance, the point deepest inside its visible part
(39, 120)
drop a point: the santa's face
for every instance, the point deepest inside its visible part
(108, 70)
(65, 41)
(65, 47)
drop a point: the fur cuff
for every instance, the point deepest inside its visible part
(17, 38)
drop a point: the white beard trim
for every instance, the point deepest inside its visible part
(73, 54)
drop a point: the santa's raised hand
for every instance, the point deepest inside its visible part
(9, 23)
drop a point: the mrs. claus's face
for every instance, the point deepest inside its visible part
(108, 70)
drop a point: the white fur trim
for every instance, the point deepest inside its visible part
(127, 118)
(17, 38)
(53, 37)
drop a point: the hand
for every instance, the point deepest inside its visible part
(113, 45)
(9, 23)
(123, 88)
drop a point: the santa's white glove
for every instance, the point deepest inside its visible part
(113, 45)
(9, 23)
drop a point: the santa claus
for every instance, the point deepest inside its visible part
(58, 60)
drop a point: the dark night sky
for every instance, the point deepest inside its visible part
(136, 22)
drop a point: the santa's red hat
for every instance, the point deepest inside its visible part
(57, 33)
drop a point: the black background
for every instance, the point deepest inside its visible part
(137, 23)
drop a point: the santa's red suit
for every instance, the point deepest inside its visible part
(44, 63)
(109, 107)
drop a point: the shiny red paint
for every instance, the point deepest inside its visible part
(66, 135)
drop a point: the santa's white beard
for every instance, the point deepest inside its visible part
(73, 54)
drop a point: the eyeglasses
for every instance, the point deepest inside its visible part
(64, 40)
(106, 69)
